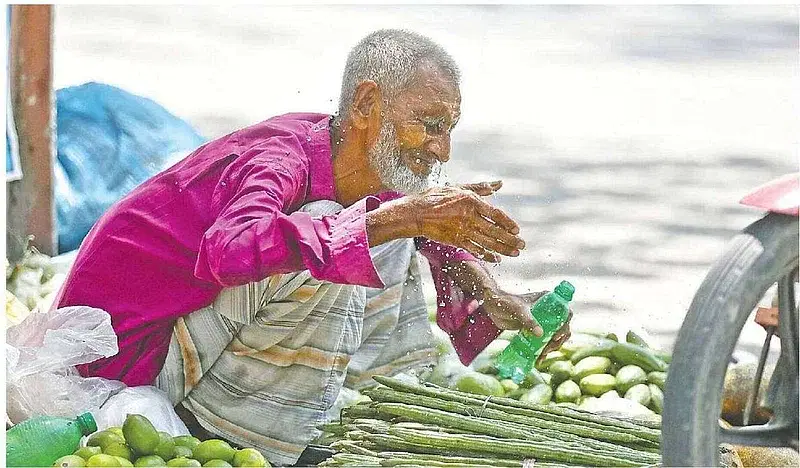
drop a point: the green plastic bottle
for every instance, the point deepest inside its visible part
(551, 311)
(42, 440)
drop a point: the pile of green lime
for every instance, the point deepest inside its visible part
(138, 443)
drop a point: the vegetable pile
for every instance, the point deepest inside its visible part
(592, 372)
(138, 443)
(409, 424)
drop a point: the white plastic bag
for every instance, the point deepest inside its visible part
(148, 401)
(40, 355)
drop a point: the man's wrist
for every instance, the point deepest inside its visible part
(392, 220)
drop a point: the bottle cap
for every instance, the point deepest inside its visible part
(87, 423)
(565, 290)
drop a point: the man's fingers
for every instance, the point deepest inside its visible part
(527, 321)
(496, 232)
(483, 188)
(493, 245)
(499, 218)
(481, 252)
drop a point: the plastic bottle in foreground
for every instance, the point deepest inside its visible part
(551, 311)
(42, 440)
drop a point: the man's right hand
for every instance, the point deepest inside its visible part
(453, 215)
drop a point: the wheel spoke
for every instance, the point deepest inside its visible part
(753, 397)
(787, 321)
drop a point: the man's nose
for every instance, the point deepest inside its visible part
(439, 146)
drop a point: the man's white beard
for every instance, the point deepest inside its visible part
(384, 156)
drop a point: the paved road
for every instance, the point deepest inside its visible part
(625, 135)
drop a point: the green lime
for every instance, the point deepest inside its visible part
(118, 450)
(102, 460)
(186, 441)
(87, 452)
(69, 461)
(124, 461)
(116, 430)
(217, 462)
(103, 438)
(183, 462)
(140, 434)
(166, 446)
(213, 448)
(249, 457)
(182, 452)
(150, 460)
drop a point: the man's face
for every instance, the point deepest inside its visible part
(414, 139)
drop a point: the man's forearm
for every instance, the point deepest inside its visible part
(470, 277)
(388, 222)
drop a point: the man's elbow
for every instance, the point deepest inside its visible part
(225, 260)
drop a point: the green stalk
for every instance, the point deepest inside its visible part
(553, 413)
(444, 418)
(521, 448)
(451, 459)
(383, 394)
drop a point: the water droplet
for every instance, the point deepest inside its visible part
(411, 277)
(442, 304)
(223, 183)
(480, 303)
(471, 318)
(308, 138)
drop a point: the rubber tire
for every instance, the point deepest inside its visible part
(754, 260)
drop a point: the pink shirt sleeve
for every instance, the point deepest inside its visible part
(252, 238)
(457, 313)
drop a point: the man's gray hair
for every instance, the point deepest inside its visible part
(390, 58)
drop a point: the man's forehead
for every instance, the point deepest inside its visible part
(434, 88)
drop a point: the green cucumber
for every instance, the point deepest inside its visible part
(656, 398)
(591, 365)
(560, 371)
(628, 376)
(632, 338)
(509, 386)
(637, 340)
(550, 358)
(657, 378)
(533, 378)
(602, 348)
(538, 395)
(568, 392)
(632, 354)
(597, 384)
(639, 393)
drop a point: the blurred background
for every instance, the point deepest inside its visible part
(625, 135)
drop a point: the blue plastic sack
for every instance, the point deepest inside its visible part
(108, 142)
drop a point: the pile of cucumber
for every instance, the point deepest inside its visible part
(592, 371)
(586, 371)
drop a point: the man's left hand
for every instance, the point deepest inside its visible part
(512, 312)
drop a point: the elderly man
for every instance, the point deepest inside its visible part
(252, 278)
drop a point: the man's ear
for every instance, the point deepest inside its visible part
(366, 107)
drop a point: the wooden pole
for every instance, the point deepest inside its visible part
(30, 209)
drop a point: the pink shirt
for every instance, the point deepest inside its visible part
(226, 216)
